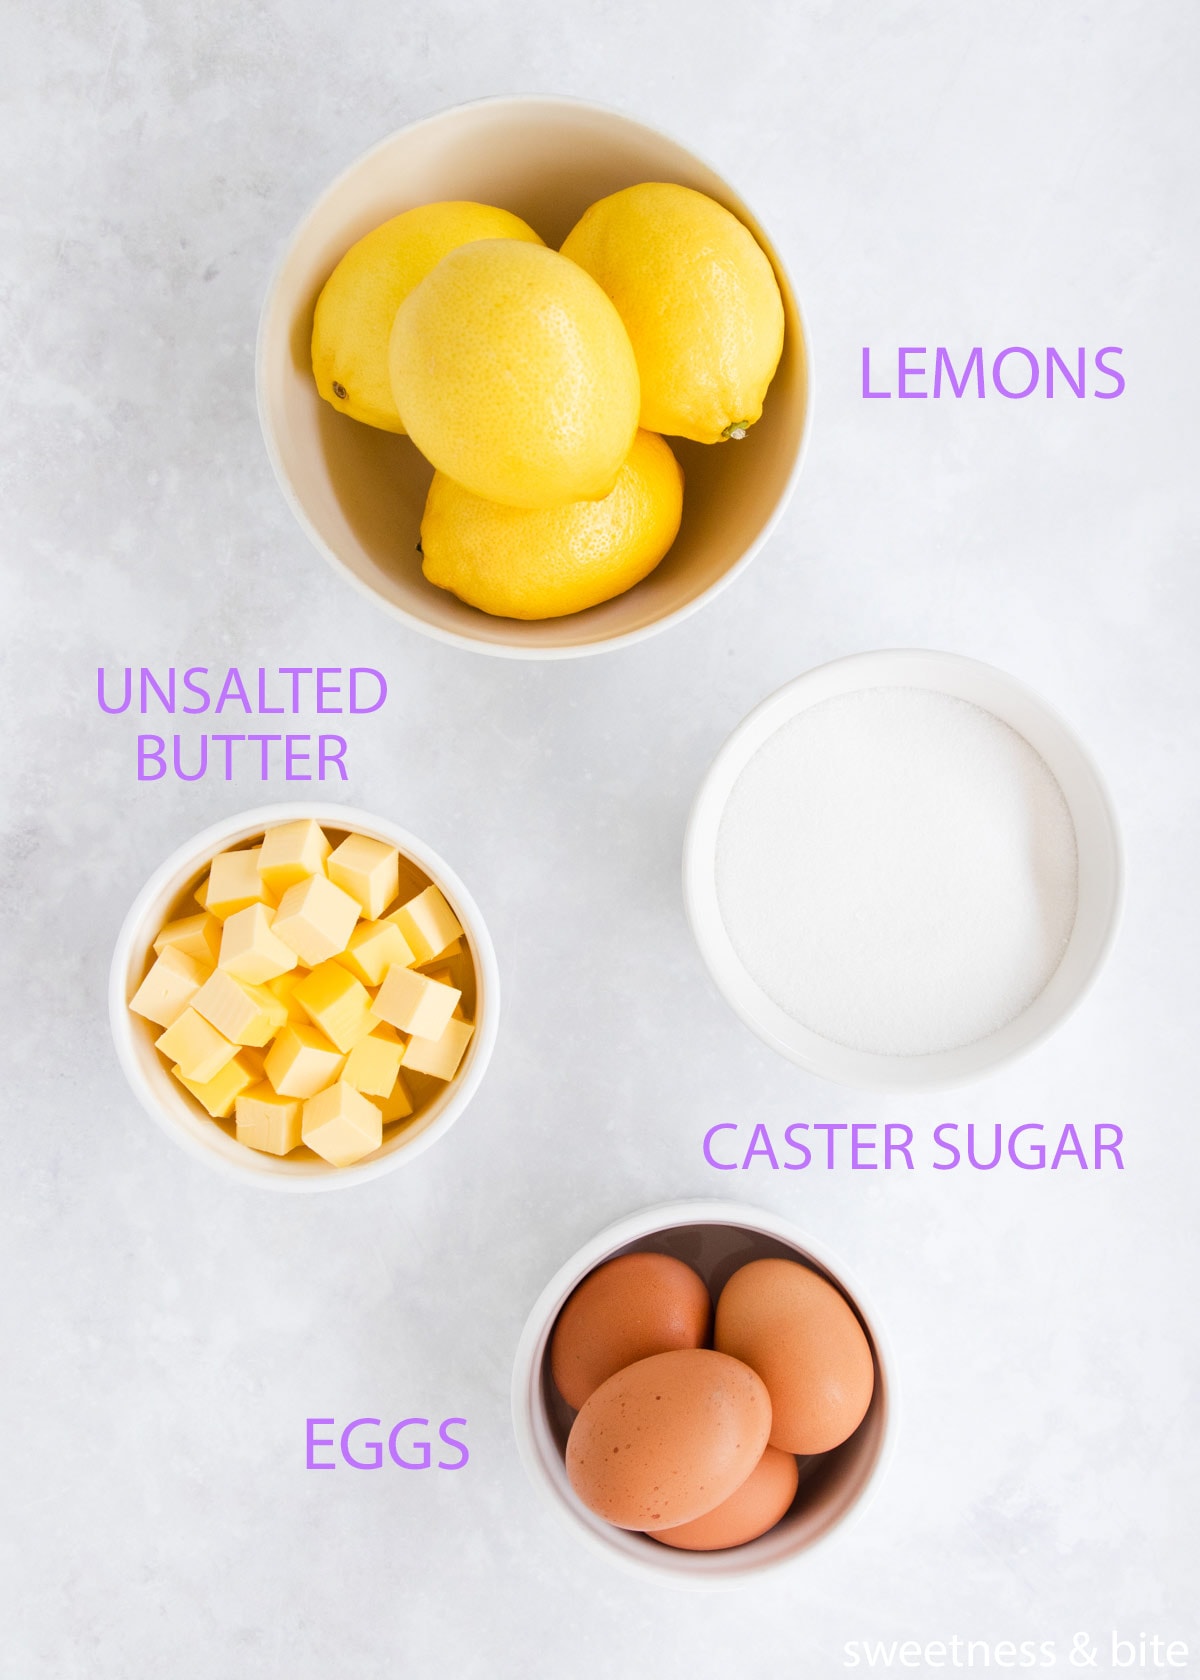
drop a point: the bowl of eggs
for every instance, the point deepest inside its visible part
(533, 377)
(304, 997)
(700, 1394)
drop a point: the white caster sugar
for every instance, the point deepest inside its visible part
(896, 869)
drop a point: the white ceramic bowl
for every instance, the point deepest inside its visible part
(360, 492)
(716, 1238)
(1096, 834)
(166, 1101)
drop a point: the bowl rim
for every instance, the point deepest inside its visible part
(867, 1070)
(206, 844)
(457, 638)
(681, 1568)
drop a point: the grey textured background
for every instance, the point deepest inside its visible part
(998, 173)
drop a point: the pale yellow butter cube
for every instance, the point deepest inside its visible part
(196, 1045)
(219, 1094)
(415, 1003)
(284, 986)
(234, 882)
(169, 987)
(447, 977)
(341, 1125)
(196, 936)
(374, 1063)
(439, 1057)
(292, 852)
(302, 1061)
(254, 1059)
(337, 1003)
(246, 1013)
(454, 949)
(250, 950)
(267, 1121)
(368, 870)
(315, 919)
(428, 923)
(398, 1103)
(381, 1029)
(374, 948)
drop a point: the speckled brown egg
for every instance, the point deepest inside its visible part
(665, 1440)
(803, 1339)
(752, 1509)
(626, 1310)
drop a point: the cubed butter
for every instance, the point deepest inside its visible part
(373, 1065)
(246, 1013)
(292, 852)
(302, 1061)
(337, 1003)
(315, 919)
(196, 1045)
(267, 1121)
(374, 948)
(254, 1058)
(284, 988)
(447, 977)
(428, 923)
(342, 1125)
(415, 1003)
(295, 1003)
(250, 950)
(439, 1057)
(454, 949)
(196, 936)
(368, 870)
(398, 1103)
(169, 987)
(234, 882)
(219, 1094)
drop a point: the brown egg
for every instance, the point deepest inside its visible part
(756, 1506)
(624, 1311)
(806, 1344)
(669, 1438)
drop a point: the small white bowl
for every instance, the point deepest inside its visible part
(178, 1113)
(715, 1238)
(359, 492)
(1097, 839)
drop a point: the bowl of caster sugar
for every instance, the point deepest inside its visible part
(903, 869)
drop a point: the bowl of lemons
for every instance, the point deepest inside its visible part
(533, 377)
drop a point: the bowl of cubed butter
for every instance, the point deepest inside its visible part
(305, 997)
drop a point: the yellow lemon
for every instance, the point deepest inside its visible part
(514, 375)
(358, 303)
(699, 299)
(544, 562)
